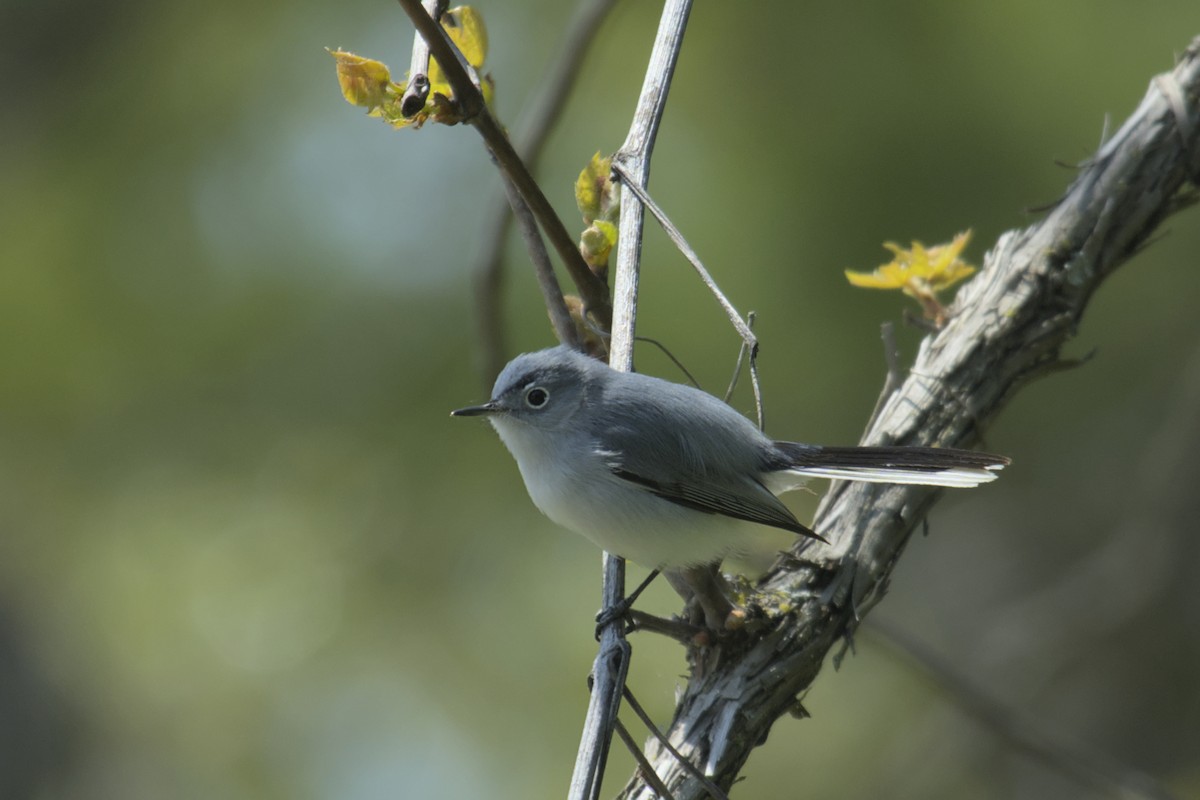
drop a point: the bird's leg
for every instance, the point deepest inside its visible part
(702, 589)
(674, 628)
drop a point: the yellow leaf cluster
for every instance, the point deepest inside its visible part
(367, 83)
(600, 205)
(593, 188)
(920, 273)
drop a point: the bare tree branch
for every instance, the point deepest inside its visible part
(592, 288)
(1007, 326)
(612, 662)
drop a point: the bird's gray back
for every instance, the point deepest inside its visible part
(650, 422)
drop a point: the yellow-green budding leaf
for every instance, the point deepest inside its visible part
(464, 26)
(591, 187)
(364, 82)
(596, 244)
(466, 29)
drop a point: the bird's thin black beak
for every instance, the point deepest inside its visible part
(489, 407)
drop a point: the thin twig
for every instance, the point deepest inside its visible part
(714, 790)
(609, 615)
(609, 679)
(537, 120)
(735, 319)
(560, 318)
(647, 770)
(681, 243)
(666, 351)
(473, 109)
(891, 358)
(752, 350)
(741, 359)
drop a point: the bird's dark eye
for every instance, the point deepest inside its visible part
(536, 397)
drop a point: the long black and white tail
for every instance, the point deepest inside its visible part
(929, 466)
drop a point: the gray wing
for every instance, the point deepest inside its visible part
(757, 504)
(687, 447)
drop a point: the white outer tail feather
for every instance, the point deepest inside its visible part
(955, 477)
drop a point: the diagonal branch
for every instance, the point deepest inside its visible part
(592, 288)
(537, 122)
(742, 326)
(552, 296)
(1008, 326)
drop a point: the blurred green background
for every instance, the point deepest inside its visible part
(245, 553)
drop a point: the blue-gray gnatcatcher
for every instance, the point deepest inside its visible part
(662, 474)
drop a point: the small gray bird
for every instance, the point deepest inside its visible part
(663, 474)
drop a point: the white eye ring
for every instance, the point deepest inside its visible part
(536, 397)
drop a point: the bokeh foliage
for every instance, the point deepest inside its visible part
(245, 553)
